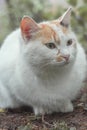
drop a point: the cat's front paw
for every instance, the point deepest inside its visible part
(67, 107)
(41, 111)
(38, 111)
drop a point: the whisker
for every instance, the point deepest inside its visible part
(43, 66)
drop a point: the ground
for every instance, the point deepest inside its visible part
(24, 119)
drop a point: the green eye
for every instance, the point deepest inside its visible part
(50, 45)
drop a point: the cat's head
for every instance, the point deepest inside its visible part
(50, 43)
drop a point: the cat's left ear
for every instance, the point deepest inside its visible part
(28, 27)
(65, 18)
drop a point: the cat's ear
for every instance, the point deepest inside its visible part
(65, 18)
(28, 27)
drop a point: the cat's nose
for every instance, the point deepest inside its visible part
(66, 57)
(62, 57)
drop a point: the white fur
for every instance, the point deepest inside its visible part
(29, 74)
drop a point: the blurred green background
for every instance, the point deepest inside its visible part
(12, 11)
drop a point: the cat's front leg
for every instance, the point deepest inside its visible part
(38, 110)
(41, 111)
(6, 98)
(66, 106)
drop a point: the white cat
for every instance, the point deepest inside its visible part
(42, 65)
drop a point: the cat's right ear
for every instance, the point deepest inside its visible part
(28, 27)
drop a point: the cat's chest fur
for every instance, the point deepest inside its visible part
(51, 84)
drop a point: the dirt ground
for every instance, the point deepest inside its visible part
(24, 119)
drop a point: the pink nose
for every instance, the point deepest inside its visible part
(66, 57)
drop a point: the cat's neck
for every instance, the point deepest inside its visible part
(53, 71)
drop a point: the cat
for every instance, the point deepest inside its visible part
(42, 65)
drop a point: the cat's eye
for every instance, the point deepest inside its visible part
(50, 45)
(69, 42)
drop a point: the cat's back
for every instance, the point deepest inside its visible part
(10, 48)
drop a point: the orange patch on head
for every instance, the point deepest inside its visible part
(57, 23)
(47, 34)
(65, 30)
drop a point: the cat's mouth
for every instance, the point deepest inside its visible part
(63, 62)
(63, 59)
